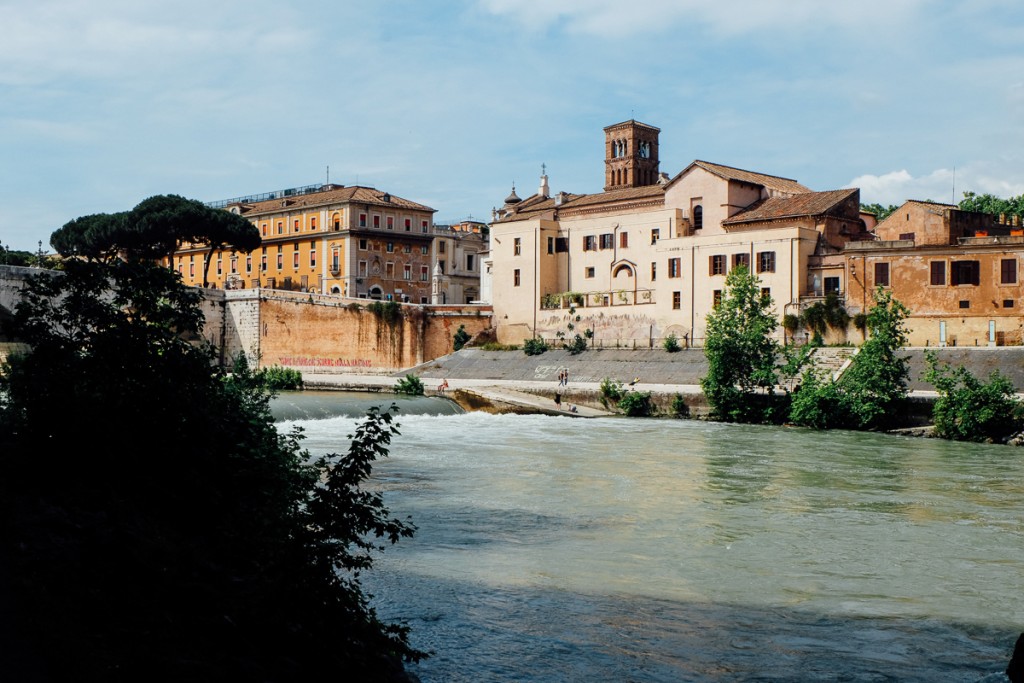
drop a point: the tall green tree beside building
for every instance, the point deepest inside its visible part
(742, 353)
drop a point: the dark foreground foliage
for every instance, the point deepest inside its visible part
(154, 523)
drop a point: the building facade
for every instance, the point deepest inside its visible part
(356, 241)
(958, 272)
(460, 249)
(647, 257)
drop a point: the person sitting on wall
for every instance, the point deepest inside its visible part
(442, 386)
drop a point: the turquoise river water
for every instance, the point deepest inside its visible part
(559, 549)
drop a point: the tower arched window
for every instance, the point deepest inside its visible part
(698, 217)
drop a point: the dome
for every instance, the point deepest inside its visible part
(513, 198)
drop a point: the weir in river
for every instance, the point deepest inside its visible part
(552, 549)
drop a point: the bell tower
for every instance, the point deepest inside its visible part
(630, 155)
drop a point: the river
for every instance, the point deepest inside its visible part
(559, 549)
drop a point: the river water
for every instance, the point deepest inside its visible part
(559, 549)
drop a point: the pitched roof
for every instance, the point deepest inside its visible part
(335, 195)
(804, 204)
(787, 185)
(535, 204)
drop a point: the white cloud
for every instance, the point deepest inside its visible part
(614, 18)
(941, 185)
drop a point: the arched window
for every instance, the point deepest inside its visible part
(623, 270)
(376, 293)
(698, 217)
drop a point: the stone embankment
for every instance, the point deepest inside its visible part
(510, 381)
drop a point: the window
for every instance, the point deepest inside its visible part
(1008, 271)
(248, 263)
(766, 294)
(390, 247)
(424, 273)
(391, 222)
(654, 271)
(965, 304)
(470, 262)
(589, 272)
(655, 234)
(551, 245)
(515, 278)
(423, 226)
(280, 259)
(674, 267)
(312, 256)
(440, 266)
(441, 246)
(376, 222)
(590, 243)
(389, 270)
(677, 300)
(716, 298)
(362, 245)
(362, 269)
(718, 264)
(220, 266)
(907, 236)
(1007, 303)
(296, 228)
(741, 260)
(362, 220)
(965, 273)
(192, 269)
(766, 261)
(264, 229)
(337, 222)
(424, 250)
(295, 259)
(561, 245)
(336, 262)
(623, 240)
(832, 285)
(607, 240)
(882, 274)
(312, 224)
(280, 228)
(517, 246)
(407, 272)
(698, 217)
(263, 262)
(938, 273)
(408, 224)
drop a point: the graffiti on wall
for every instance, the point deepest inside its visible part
(320, 362)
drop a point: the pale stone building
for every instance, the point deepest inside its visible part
(647, 257)
(459, 249)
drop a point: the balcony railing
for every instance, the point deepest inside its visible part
(597, 299)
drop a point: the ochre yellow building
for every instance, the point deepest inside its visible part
(354, 241)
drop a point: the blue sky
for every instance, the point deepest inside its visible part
(107, 102)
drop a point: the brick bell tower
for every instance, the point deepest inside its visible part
(630, 155)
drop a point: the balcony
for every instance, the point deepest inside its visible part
(596, 299)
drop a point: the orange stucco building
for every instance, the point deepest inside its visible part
(356, 241)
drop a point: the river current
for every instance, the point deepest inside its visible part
(560, 549)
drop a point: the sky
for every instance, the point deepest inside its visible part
(107, 102)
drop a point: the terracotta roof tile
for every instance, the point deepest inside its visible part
(535, 204)
(340, 195)
(787, 185)
(805, 204)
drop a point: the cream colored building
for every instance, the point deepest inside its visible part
(459, 250)
(647, 257)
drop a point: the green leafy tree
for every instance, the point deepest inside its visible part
(411, 385)
(968, 409)
(987, 203)
(155, 522)
(871, 392)
(461, 338)
(154, 229)
(534, 346)
(741, 352)
(881, 212)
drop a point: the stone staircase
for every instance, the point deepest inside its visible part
(830, 361)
